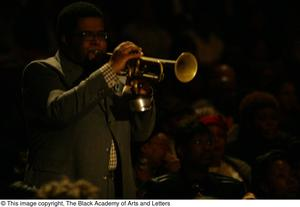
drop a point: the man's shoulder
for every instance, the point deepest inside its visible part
(51, 63)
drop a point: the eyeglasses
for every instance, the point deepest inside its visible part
(89, 35)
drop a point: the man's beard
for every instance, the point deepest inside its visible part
(91, 64)
(94, 60)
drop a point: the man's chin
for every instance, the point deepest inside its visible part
(95, 63)
(92, 65)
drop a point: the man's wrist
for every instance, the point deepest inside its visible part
(112, 79)
(109, 75)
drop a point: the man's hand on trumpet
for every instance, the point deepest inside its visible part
(124, 52)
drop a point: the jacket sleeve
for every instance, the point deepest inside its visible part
(144, 123)
(48, 99)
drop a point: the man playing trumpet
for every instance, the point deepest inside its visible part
(79, 122)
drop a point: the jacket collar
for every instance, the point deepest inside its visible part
(70, 70)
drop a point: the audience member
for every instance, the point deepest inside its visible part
(259, 127)
(193, 180)
(287, 94)
(273, 177)
(222, 89)
(67, 189)
(156, 157)
(221, 162)
(19, 190)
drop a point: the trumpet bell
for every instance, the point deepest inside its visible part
(186, 67)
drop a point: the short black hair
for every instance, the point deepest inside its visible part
(253, 102)
(187, 128)
(68, 17)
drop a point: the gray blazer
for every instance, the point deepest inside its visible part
(69, 123)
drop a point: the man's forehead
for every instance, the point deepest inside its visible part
(90, 22)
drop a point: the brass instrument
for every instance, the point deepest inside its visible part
(185, 69)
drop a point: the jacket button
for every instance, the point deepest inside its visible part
(104, 177)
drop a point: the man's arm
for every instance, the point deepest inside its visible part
(144, 123)
(46, 95)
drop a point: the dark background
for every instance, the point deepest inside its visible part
(252, 31)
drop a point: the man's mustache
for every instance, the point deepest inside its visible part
(94, 59)
(95, 54)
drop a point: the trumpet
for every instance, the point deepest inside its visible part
(185, 67)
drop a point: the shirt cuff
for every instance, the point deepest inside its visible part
(112, 79)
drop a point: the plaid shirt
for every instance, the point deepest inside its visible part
(113, 82)
(112, 164)
(112, 79)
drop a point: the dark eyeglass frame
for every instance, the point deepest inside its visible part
(91, 35)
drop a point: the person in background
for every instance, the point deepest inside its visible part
(79, 120)
(260, 127)
(273, 177)
(156, 157)
(193, 180)
(66, 189)
(222, 163)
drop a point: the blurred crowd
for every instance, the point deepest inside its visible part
(242, 108)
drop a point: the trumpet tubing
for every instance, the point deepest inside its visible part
(185, 66)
